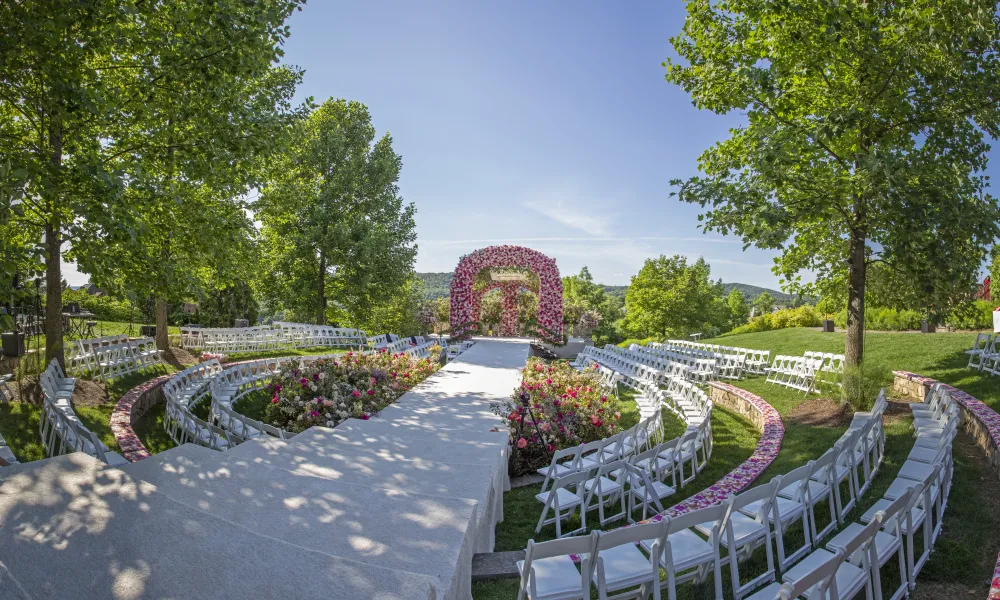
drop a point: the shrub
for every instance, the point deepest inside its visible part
(104, 308)
(641, 342)
(349, 386)
(803, 316)
(860, 388)
(568, 406)
(976, 315)
(885, 319)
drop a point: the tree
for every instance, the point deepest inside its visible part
(669, 298)
(764, 303)
(581, 295)
(865, 137)
(81, 82)
(738, 308)
(335, 229)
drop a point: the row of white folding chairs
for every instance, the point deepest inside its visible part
(184, 427)
(985, 354)
(82, 359)
(632, 480)
(301, 335)
(797, 372)
(191, 384)
(232, 339)
(60, 429)
(683, 398)
(113, 362)
(689, 547)
(592, 471)
(755, 360)
(700, 368)
(634, 370)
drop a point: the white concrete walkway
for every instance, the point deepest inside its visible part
(390, 508)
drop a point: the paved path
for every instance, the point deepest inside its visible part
(390, 508)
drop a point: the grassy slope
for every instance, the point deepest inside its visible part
(967, 547)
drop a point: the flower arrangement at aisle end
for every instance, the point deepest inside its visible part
(352, 385)
(555, 407)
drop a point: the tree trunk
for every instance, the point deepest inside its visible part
(854, 349)
(321, 288)
(53, 295)
(162, 337)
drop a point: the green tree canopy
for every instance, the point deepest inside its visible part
(865, 137)
(739, 310)
(335, 229)
(669, 298)
(84, 87)
(764, 303)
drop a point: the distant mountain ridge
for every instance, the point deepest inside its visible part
(438, 285)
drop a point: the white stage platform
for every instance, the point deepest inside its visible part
(391, 508)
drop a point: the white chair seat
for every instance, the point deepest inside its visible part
(898, 487)
(566, 498)
(608, 486)
(787, 509)
(660, 490)
(555, 577)
(624, 566)
(768, 593)
(817, 489)
(922, 454)
(745, 530)
(914, 470)
(689, 549)
(849, 578)
(885, 544)
(917, 514)
(557, 470)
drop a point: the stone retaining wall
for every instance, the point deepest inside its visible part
(129, 409)
(981, 422)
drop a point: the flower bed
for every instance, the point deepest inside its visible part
(352, 385)
(555, 407)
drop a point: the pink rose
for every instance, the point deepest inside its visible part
(522, 443)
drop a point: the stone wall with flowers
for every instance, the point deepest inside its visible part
(555, 407)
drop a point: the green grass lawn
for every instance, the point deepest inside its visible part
(966, 550)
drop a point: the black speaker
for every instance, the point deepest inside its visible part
(147, 330)
(13, 343)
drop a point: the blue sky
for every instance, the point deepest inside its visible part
(546, 124)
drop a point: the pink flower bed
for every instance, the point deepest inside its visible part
(549, 293)
(989, 418)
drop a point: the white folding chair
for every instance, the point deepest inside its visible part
(564, 498)
(548, 572)
(620, 564)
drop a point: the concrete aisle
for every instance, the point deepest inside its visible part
(391, 508)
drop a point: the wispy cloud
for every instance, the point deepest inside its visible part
(574, 217)
(594, 239)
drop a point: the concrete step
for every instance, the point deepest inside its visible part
(385, 528)
(71, 527)
(175, 461)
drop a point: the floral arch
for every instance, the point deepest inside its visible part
(465, 298)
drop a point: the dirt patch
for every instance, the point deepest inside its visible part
(934, 590)
(820, 412)
(179, 358)
(89, 393)
(897, 409)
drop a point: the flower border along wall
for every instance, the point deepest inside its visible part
(463, 296)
